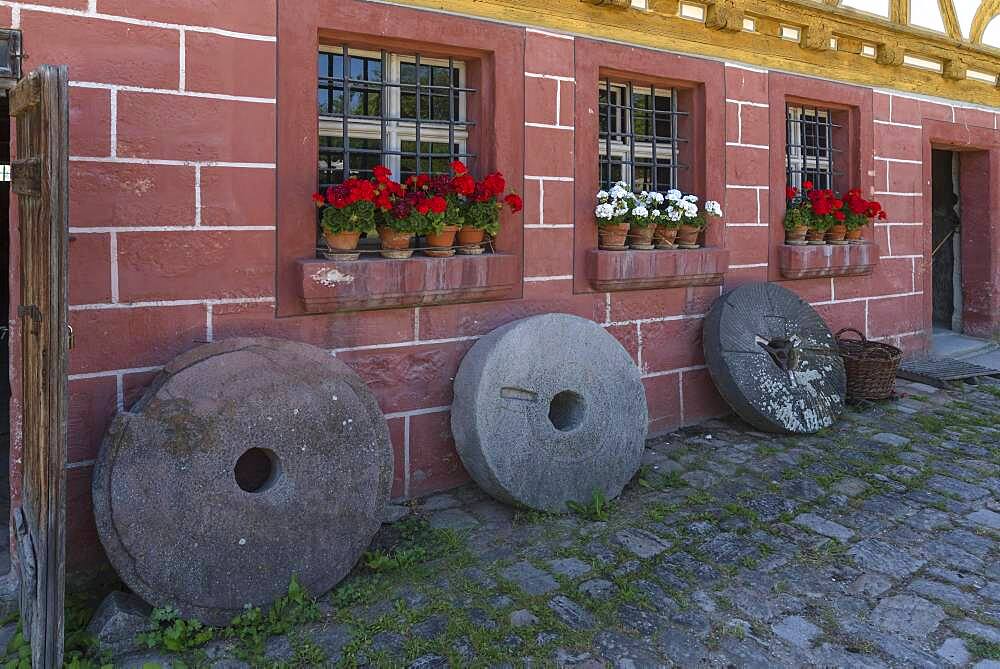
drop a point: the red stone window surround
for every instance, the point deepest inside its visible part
(494, 58)
(700, 86)
(852, 110)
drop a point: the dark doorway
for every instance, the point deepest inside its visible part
(946, 267)
(5, 336)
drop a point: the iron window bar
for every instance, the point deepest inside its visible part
(809, 146)
(373, 107)
(624, 144)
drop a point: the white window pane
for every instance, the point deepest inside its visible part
(880, 7)
(992, 34)
(926, 14)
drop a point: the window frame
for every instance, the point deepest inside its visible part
(700, 82)
(494, 57)
(391, 124)
(853, 110)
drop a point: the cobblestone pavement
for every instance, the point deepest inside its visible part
(872, 544)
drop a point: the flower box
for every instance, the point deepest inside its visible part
(327, 286)
(807, 262)
(641, 270)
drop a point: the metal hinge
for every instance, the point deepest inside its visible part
(71, 338)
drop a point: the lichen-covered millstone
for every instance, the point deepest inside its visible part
(774, 360)
(547, 410)
(247, 462)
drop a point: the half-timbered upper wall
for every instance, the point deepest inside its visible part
(947, 48)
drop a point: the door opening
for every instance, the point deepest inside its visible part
(946, 261)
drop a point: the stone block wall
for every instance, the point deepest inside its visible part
(173, 226)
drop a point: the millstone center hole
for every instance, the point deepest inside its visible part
(257, 470)
(567, 410)
(781, 350)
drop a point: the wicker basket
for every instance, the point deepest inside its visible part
(871, 367)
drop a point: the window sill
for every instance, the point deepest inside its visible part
(643, 270)
(327, 286)
(808, 262)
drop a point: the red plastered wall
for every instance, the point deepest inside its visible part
(176, 214)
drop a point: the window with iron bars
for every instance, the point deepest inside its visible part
(403, 111)
(638, 139)
(810, 149)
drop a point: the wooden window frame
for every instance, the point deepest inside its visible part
(853, 110)
(700, 83)
(494, 58)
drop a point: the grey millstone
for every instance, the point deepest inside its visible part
(530, 579)
(797, 631)
(908, 616)
(891, 439)
(174, 521)
(641, 543)
(331, 639)
(850, 486)
(984, 632)
(770, 507)
(278, 649)
(569, 567)
(117, 621)
(945, 593)
(548, 410)
(879, 556)
(429, 662)
(987, 664)
(988, 518)
(523, 618)
(827, 528)
(954, 651)
(571, 613)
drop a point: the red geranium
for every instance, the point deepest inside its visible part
(514, 201)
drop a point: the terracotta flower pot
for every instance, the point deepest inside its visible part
(665, 237)
(342, 245)
(814, 236)
(641, 237)
(854, 236)
(470, 240)
(836, 234)
(687, 237)
(395, 245)
(441, 243)
(797, 235)
(613, 237)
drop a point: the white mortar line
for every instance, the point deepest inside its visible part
(182, 62)
(169, 91)
(669, 372)
(169, 303)
(541, 203)
(538, 178)
(125, 160)
(900, 160)
(537, 279)
(114, 266)
(403, 344)
(113, 372)
(137, 22)
(749, 103)
(655, 319)
(739, 186)
(638, 346)
(884, 192)
(748, 225)
(120, 392)
(417, 412)
(764, 147)
(871, 297)
(759, 264)
(416, 324)
(554, 77)
(549, 226)
(113, 122)
(15, 17)
(209, 326)
(607, 308)
(175, 228)
(899, 125)
(406, 456)
(558, 100)
(546, 33)
(548, 126)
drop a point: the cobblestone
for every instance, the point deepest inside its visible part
(874, 544)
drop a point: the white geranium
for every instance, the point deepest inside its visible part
(713, 208)
(605, 211)
(657, 197)
(674, 194)
(640, 212)
(690, 198)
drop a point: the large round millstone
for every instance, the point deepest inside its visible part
(246, 462)
(774, 360)
(547, 410)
